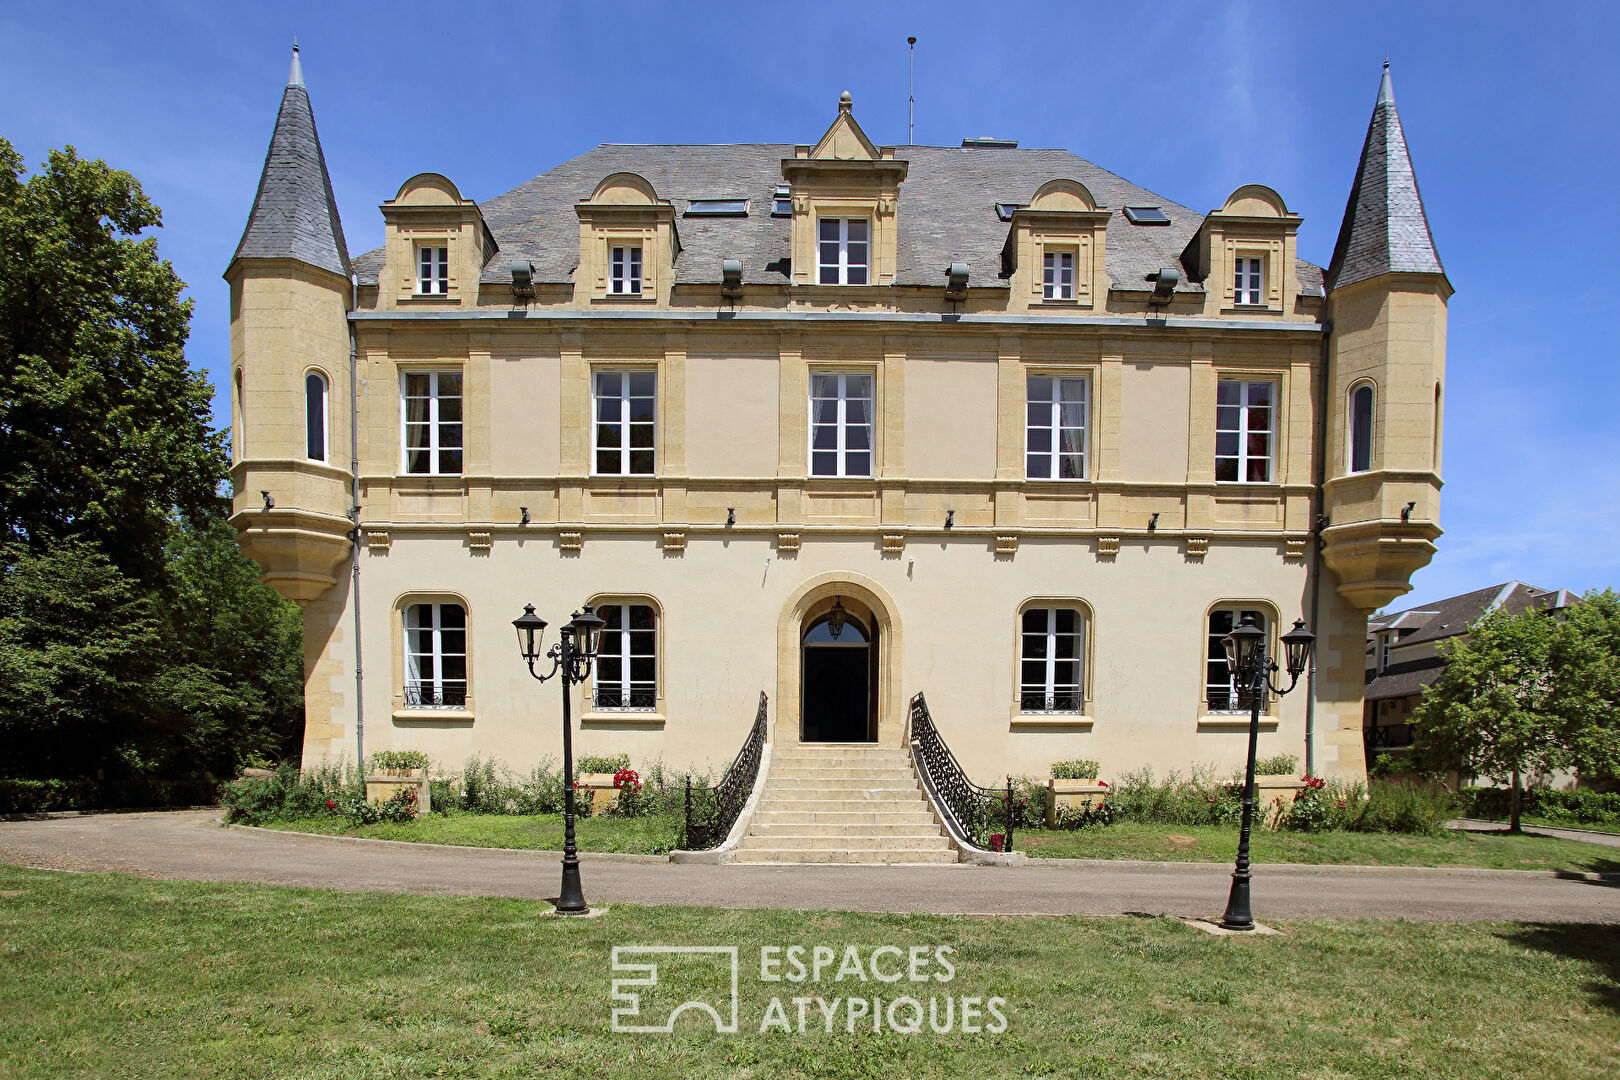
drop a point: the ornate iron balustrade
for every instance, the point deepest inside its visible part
(711, 812)
(444, 695)
(979, 812)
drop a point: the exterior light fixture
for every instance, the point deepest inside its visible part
(571, 657)
(1406, 512)
(525, 519)
(731, 283)
(269, 500)
(731, 515)
(1153, 522)
(956, 281)
(523, 279)
(1251, 670)
(836, 617)
(950, 519)
(1164, 284)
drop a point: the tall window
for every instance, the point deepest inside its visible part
(627, 665)
(624, 264)
(1221, 690)
(842, 251)
(1049, 661)
(436, 656)
(1361, 420)
(1386, 645)
(1057, 276)
(1243, 427)
(1055, 436)
(625, 406)
(840, 425)
(240, 419)
(315, 416)
(432, 271)
(432, 420)
(1249, 281)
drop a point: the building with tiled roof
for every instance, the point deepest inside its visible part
(841, 423)
(1406, 652)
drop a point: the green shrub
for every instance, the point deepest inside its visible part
(1078, 769)
(596, 764)
(1081, 817)
(1197, 799)
(29, 796)
(1276, 765)
(1578, 806)
(400, 759)
(290, 794)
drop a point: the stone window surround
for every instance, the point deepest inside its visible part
(1236, 720)
(658, 714)
(1067, 719)
(403, 713)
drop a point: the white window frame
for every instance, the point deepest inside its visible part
(1386, 646)
(626, 686)
(438, 428)
(314, 410)
(1057, 280)
(625, 425)
(1249, 281)
(436, 651)
(624, 270)
(1215, 651)
(1053, 424)
(433, 269)
(842, 425)
(1049, 688)
(1246, 431)
(843, 267)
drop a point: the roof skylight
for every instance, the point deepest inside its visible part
(717, 208)
(782, 203)
(1146, 215)
(1004, 210)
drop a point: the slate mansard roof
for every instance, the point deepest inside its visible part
(294, 214)
(946, 213)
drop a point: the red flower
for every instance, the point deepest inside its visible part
(330, 805)
(1102, 783)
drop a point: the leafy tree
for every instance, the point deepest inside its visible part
(104, 430)
(1585, 657)
(1492, 712)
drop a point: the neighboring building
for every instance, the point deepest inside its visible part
(1404, 656)
(1038, 434)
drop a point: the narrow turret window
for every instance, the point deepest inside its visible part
(315, 416)
(1361, 423)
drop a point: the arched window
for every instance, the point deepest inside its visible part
(1051, 660)
(1221, 692)
(239, 418)
(1361, 427)
(435, 656)
(626, 675)
(315, 416)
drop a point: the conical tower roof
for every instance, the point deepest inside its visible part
(1385, 228)
(294, 214)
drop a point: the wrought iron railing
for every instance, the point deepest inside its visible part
(980, 813)
(712, 811)
(441, 695)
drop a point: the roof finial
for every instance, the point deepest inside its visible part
(295, 77)
(1386, 89)
(845, 102)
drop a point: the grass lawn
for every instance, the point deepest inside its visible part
(1204, 843)
(110, 975)
(544, 832)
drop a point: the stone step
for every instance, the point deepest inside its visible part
(800, 827)
(856, 843)
(851, 753)
(842, 772)
(835, 789)
(913, 817)
(814, 855)
(776, 803)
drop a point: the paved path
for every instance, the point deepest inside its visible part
(191, 845)
(1586, 836)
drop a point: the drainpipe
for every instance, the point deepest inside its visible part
(1316, 547)
(354, 537)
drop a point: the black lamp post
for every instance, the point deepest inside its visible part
(1251, 670)
(571, 657)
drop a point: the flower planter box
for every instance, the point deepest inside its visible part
(383, 784)
(596, 786)
(1273, 795)
(1082, 793)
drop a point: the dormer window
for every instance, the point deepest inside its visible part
(842, 251)
(1057, 281)
(432, 270)
(1249, 281)
(625, 266)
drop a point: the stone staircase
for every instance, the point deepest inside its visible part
(843, 803)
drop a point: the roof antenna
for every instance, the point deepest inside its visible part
(911, 107)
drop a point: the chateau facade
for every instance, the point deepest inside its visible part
(841, 423)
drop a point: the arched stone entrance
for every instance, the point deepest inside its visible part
(822, 681)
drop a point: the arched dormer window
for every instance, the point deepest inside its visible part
(315, 416)
(1361, 427)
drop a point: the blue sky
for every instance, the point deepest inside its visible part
(1510, 121)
